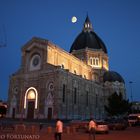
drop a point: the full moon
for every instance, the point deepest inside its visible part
(73, 19)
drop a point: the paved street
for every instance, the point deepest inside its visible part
(131, 133)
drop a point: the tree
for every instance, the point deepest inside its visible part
(117, 105)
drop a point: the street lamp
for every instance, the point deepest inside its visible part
(130, 82)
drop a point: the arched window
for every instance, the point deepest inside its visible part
(104, 62)
(94, 62)
(62, 66)
(74, 71)
(85, 76)
(75, 95)
(97, 61)
(96, 103)
(87, 98)
(64, 93)
(91, 60)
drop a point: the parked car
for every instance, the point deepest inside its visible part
(102, 127)
(117, 124)
(82, 125)
(134, 119)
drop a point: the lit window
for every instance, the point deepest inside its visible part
(104, 63)
(31, 95)
(96, 61)
(91, 60)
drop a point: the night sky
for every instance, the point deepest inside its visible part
(116, 22)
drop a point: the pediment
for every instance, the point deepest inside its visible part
(35, 43)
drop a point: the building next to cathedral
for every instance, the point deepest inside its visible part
(52, 83)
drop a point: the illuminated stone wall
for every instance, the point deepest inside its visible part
(58, 57)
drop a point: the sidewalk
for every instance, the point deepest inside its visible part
(20, 133)
(76, 136)
(71, 136)
(31, 133)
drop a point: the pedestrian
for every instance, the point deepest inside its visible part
(58, 129)
(92, 129)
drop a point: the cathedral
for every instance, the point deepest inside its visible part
(53, 83)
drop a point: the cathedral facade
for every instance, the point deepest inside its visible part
(53, 83)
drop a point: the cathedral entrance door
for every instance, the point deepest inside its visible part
(30, 111)
(49, 113)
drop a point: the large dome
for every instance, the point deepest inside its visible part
(88, 39)
(112, 76)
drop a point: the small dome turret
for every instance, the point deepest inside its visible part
(112, 76)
